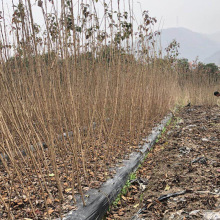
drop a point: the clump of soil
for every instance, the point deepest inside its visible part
(184, 161)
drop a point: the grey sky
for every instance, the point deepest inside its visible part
(198, 15)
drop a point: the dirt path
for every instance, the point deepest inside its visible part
(185, 161)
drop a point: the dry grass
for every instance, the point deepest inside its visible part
(91, 109)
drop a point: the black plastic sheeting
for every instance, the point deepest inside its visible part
(99, 200)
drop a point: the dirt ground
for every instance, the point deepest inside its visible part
(180, 178)
(22, 195)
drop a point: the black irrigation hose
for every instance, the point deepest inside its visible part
(161, 198)
(99, 200)
(23, 152)
(33, 148)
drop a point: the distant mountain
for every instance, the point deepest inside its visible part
(192, 44)
(215, 58)
(215, 37)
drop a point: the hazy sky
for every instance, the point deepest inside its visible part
(198, 15)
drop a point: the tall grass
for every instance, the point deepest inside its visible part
(78, 98)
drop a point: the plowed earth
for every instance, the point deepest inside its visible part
(180, 178)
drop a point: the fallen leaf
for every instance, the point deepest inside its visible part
(124, 198)
(49, 201)
(121, 213)
(68, 190)
(91, 173)
(70, 197)
(149, 205)
(167, 187)
(50, 211)
(37, 211)
(134, 187)
(142, 187)
(135, 206)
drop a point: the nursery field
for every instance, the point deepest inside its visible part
(77, 96)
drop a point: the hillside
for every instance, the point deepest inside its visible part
(215, 58)
(215, 37)
(192, 44)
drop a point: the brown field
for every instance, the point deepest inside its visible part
(89, 101)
